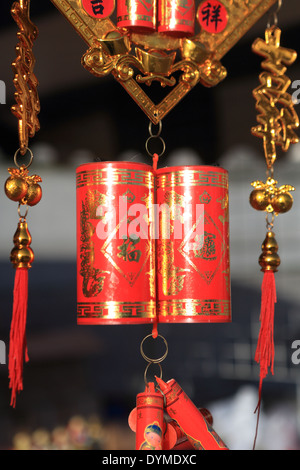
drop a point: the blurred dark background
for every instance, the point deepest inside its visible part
(83, 380)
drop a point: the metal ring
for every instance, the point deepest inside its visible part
(150, 360)
(19, 212)
(270, 224)
(159, 129)
(163, 145)
(30, 161)
(146, 370)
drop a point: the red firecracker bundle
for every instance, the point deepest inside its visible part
(152, 246)
(166, 419)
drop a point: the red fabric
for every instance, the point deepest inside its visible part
(265, 351)
(18, 346)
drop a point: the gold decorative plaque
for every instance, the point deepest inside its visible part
(177, 63)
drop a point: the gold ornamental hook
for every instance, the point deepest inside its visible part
(274, 15)
(27, 105)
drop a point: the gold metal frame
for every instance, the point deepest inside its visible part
(134, 59)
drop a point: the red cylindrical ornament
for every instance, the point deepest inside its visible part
(181, 442)
(150, 419)
(193, 267)
(173, 436)
(191, 421)
(115, 249)
(136, 16)
(170, 431)
(176, 17)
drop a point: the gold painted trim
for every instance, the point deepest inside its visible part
(194, 307)
(112, 309)
(191, 177)
(116, 176)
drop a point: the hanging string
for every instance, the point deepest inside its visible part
(155, 324)
(155, 158)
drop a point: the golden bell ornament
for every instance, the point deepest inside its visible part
(269, 260)
(282, 203)
(22, 255)
(259, 199)
(15, 188)
(33, 194)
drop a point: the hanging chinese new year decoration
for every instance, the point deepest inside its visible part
(153, 243)
(22, 188)
(175, 425)
(178, 405)
(165, 418)
(277, 121)
(141, 261)
(144, 41)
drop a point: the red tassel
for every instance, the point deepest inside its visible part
(18, 346)
(265, 351)
(265, 347)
